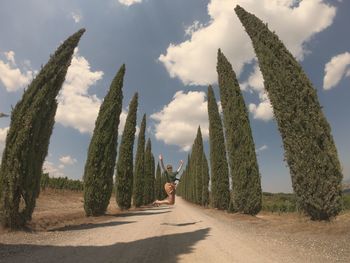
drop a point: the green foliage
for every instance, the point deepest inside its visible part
(163, 182)
(61, 183)
(124, 169)
(102, 153)
(346, 202)
(196, 167)
(139, 172)
(27, 141)
(158, 187)
(220, 195)
(246, 185)
(279, 203)
(148, 191)
(309, 147)
(205, 181)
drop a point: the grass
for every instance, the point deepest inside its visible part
(283, 203)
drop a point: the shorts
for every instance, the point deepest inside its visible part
(170, 188)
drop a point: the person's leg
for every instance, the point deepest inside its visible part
(170, 200)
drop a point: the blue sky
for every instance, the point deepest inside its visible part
(169, 48)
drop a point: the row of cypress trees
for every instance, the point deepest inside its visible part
(28, 138)
(309, 147)
(194, 185)
(236, 157)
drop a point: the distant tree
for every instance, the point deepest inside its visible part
(196, 166)
(246, 185)
(102, 153)
(218, 163)
(28, 138)
(139, 172)
(124, 169)
(158, 184)
(205, 181)
(149, 177)
(309, 147)
(153, 163)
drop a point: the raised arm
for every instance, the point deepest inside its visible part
(161, 162)
(180, 167)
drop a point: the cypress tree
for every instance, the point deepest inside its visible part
(196, 167)
(163, 182)
(153, 179)
(102, 153)
(309, 147)
(246, 185)
(218, 163)
(27, 141)
(158, 183)
(124, 169)
(139, 173)
(205, 181)
(189, 179)
(147, 191)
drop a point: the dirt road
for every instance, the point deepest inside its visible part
(182, 233)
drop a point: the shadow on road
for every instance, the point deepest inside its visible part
(139, 213)
(89, 226)
(181, 224)
(167, 248)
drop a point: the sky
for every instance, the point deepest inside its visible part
(169, 48)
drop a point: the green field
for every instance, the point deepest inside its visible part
(282, 202)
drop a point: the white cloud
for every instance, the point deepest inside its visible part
(337, 68)
(196, 25)
(77, 108)
(177, 122)
(11, 76)
(10, 56)
(129, 2)
(53, 171)
(194, 60)
(263, 110)
(262, 148)
(3, 134)
(67, 160)
(76, 17)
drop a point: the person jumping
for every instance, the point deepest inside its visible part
(170, 185)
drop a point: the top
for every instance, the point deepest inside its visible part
(170, 177)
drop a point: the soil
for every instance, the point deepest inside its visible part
(60, 232)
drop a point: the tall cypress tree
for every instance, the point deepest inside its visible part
(218, 163)
(124, 169)
(246, 185)
(205, 181)
(139, 173)
(158, 184)
(196, 166)
(28, 139)
(153, 178)
(147, 191)
(102, 153)
(309, 147)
